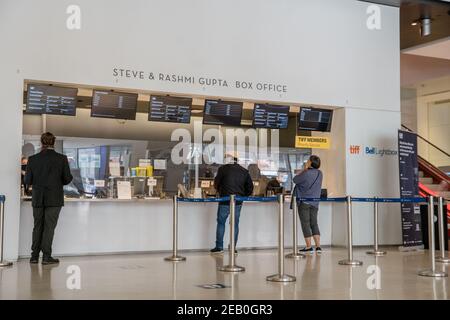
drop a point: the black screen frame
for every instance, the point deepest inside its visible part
(330, 122)
(165, 105)
(27, 111)
(241, 104)
(115, 92)
(269, 105)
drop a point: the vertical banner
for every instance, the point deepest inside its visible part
(409, 187)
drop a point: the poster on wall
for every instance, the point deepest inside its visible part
(409, 188)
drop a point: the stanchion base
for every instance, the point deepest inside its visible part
(5, 264)
(175, 258)
(431, 273)
(443, 260)
(230, 268)
(295, 256)
(377, 253)
(350, 262)
(281, 278)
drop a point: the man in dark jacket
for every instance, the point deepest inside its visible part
(230, 179)
(47, 173)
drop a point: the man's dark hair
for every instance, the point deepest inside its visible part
(315, 161)
(48, 140)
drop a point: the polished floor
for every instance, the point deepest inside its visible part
(148, 276)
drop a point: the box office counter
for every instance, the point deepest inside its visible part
(101, 226)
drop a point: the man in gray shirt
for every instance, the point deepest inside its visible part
(308, 184)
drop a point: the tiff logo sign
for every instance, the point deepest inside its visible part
(354, 149)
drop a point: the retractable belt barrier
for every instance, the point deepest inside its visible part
(281, 276)
(227, 199)
(375, 199)
(222, 199)
(340, 199)
(257, 199)
(376, 252)
(398, 200)
(3, 263)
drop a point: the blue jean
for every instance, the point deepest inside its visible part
(223, 211)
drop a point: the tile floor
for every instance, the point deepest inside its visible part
(148, 276)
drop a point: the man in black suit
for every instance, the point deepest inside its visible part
(47, 172)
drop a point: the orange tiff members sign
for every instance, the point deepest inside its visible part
(312, 142)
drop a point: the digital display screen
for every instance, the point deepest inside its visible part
(270, 116)
(170, 109)
(47, 99)
(227, 113)
(114, 105)
(314, 119)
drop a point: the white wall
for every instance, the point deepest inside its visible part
(147, 226)
(439, 132)
(363, 175)
(321, 50)
(433, 117)
(373, 175)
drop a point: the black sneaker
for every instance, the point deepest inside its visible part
(318, 250)
(216, 251)
(50, 260)
(34, 260)
(307, 250)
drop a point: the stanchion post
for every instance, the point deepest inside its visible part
(375, 251)
(281, 276)
(3, 263)
(295, 254)
(431, 247)
(442, 258)
(232, 267)
(175, 257)
(349, 261)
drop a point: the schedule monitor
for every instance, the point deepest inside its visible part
(170, 109)
(49, 99)
(114, 105)
(314, 119)
(227, 113)
(270, 116)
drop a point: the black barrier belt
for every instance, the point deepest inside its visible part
(260, 199)
(2, 198)
(223, 199)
